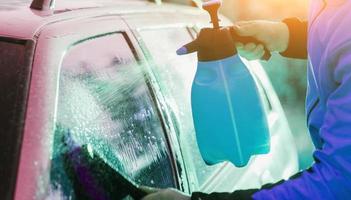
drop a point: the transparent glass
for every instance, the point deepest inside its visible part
(106, 113)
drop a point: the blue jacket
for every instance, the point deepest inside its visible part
(328, 108)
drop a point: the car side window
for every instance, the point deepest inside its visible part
(175, 75)
(106, 113)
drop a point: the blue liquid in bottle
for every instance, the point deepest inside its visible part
(228, 114)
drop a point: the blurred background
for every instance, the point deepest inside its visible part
(287, 75)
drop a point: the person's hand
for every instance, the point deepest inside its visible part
(164, 194)
(273, 35)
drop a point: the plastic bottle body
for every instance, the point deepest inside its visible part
(228, 113)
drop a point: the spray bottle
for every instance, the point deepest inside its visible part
(228, 114)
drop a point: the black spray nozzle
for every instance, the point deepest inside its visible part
(212, 8)
(218, 42)
(211, 44)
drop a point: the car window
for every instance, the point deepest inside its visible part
(175, 75)
(106, 113)
(14, 81)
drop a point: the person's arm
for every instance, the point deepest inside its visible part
(330, 175)
(297, 47)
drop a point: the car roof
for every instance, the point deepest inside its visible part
(19, 21)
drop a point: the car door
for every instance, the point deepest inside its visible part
(176, 75)
(160, 39)
(91, 94)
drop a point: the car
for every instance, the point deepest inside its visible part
(90, 89)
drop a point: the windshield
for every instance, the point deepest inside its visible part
(14, 77)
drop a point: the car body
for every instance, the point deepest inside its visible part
(105, 73)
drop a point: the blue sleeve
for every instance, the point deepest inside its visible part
(297, 47)
(330, 176)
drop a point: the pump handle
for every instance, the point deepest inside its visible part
(212, 8)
